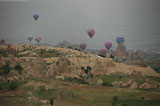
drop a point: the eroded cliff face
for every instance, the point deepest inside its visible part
(69, 63)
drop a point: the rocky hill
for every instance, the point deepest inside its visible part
(44, 61)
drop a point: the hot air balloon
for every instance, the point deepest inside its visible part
(90, 32)
(38, 39)
(102, 51)
(82, 46)
(108, 45)
(120, 40)
(30, 37)
(35, 16)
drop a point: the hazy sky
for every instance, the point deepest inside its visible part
(136, 20)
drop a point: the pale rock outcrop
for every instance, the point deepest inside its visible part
(145, 86)
(99, 82)
(134, 85)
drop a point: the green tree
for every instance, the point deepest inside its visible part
(13, 86)
(18, 68)
(115, 100)
(51, 101)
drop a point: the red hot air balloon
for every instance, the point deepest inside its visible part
(82, 46)
(102, 51)
(90, 32)
(108, 45)
(38, 39)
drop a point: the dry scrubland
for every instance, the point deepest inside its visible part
(32, 74)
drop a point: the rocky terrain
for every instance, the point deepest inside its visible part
(53, 66)
(50, 61)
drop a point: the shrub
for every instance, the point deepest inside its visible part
(0, 88)
(156, 68)
(111, 56)
(3, 53)
(70, 47)
(124, 59)
(82, 68)
(6, 67)
(115, 99)
(116, 60)
(18, 68)
(66, 78)
(107, 84)
(42, 88)
(51, 101)
(124, 104)
(29, 87)
(102, 55)
(13, 86)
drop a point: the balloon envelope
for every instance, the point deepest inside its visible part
(38, 39)
(35, 16)
(90, 32)
(108, 45)
(30, 37)
(102, 51)
(120, 40)
(82, 46)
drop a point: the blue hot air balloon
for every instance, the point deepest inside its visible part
(35, 16)
(120, 40)
(30, 37)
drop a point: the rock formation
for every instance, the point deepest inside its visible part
(2, 42)
(10, 50)
(121, 51)
(99, 82)
(145, 86)
(69, 63)
(134, 85)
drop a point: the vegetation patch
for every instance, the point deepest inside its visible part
(18, 68)
(29, 88)
(157, 79)
(6, 68)
(11, 85)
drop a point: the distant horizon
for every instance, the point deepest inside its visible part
(137, 21)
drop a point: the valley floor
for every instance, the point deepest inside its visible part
(37, 92)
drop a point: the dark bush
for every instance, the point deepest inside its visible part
(51, 101)
(107, 84)
(82, 68)
(13, 86)
(102, 55)
(3, 53)
(124, 104)
(86, 71)
(18, 68)
(111, 56)
(42, 88)
(6, 68)
(0, 88)
(70, 47)
(156, 68)
(66, 78)
(115, 98)
(81, 81)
